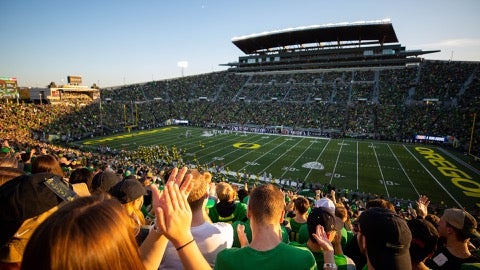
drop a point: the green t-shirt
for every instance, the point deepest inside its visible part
(239, 214)
(282, 256)
(347, 236)
(303, 234)
(294, 233)
(248, 232)
(340, 260)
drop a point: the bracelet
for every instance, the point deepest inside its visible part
(188, 243)
(329, 265)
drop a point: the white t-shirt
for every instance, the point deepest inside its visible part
(211, 238)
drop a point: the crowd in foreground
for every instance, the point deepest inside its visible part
(95, 217)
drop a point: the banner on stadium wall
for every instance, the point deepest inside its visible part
(180, 122)
(430, 138)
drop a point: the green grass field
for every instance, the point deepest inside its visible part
(391, 169)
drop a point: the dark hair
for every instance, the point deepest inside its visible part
(7, 174)
(424, 239)
(81, 175)
(242, 193)
(382, 203)
(46, 163)
(319, 216)
(301, 205)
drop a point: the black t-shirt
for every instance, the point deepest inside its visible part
(443, 259)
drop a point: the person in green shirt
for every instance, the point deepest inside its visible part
(266, 209)
(300, 208)
(320, 216)
(248, 233)
(227, 209)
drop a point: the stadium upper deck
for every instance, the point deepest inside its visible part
(372, 43)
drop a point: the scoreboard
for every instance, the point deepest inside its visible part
(8, 88)
(74, 80)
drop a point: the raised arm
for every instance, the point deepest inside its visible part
(172, 222)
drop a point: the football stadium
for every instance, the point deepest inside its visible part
(332, 92)
(343, 107)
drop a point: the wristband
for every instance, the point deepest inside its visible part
(329, 265)
(188, 243)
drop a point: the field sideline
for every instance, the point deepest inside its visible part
(394, 170)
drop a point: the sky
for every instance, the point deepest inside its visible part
(117, 42)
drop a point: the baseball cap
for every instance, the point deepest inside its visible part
(103, 181)
(327, 204)
(461, 220)
(320, 216)
(127, 190)
(387, 238)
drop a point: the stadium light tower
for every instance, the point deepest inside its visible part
(182, 65)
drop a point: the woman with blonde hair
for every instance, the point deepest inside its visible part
(96, 233)
(130, 192)
(89, 226)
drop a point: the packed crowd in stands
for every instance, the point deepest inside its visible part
(328, 229)
(120, 219)
(383, 103)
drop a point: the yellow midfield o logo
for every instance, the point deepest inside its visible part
(242, 145)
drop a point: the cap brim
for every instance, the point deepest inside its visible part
(474, 233)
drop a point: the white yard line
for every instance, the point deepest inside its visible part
(279, 157)
(380, 169)
(319, 155)
(234, 138)
(434, 178)
(336, 162)
(404, 172)
(247, 153)
(299, 156)
(357, 165)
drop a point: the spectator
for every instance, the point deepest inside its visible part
(210, 237)
(81, 175)
(7, 174)
(26, 201)
(301, 206)
(130, 193)
(320, 216)
(424, 242)
(266, 250)
(10, 162)
(110, 242)
(103, 181)
(243, 194)
(384, 238)
(343, 224)
(456, 227)
(46, 163)
(227, 209)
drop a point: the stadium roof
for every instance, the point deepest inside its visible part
(380, 31)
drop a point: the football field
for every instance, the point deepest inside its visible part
(394, 170)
